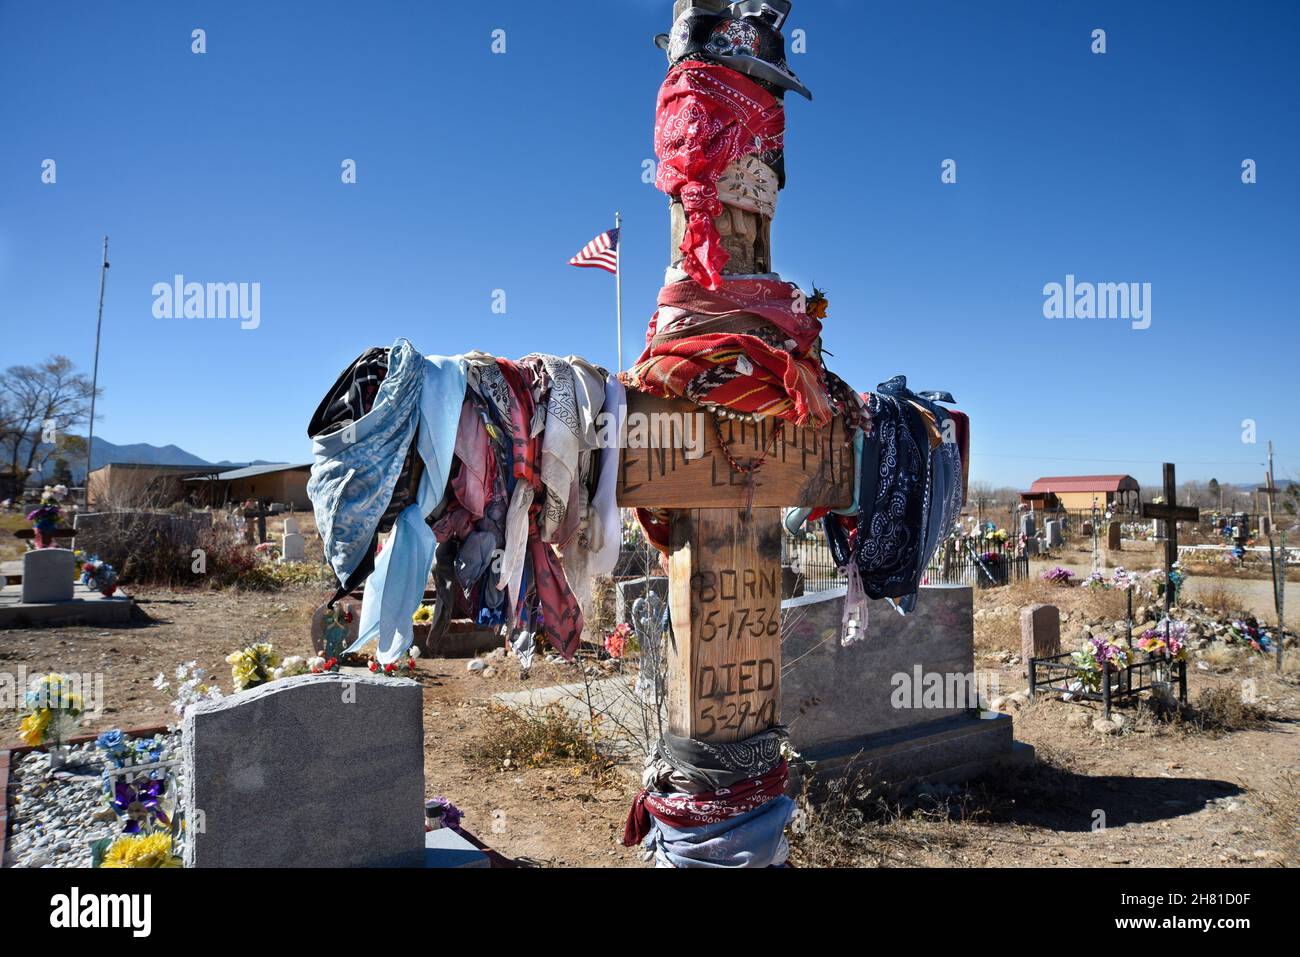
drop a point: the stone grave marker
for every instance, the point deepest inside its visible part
(900, 704)
(1040, 633)
(48, 575)
(291, 526)
(312, 771)
(1114, 542)
(1053, 532)
(294, 548)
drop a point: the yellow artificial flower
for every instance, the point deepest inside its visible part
(35, 726)
(155, 850)
(422, 614)
(253, 664)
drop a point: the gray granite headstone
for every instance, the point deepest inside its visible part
(868, 707)
(47, 575)
(1027, 526)
(313, 771)
(832, 692)
(1040, 633)
(1053, 532)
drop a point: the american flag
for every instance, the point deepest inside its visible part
(600, 253)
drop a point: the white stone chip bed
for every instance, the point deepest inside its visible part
(54, 820)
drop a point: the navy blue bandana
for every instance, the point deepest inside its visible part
(893, 499)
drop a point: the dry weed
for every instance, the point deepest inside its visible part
(511, 740)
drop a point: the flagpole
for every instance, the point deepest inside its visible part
(618, 283)
(94, 380)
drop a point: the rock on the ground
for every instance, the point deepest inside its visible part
(1105, 726)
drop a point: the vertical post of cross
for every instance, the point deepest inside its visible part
(1171, 514)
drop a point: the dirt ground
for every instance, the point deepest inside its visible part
(546, 815)
(1170, 795)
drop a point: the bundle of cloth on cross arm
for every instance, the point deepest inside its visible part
(498, 476)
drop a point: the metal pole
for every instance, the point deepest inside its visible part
(618, 284)
(1271, 492)
(94, 378)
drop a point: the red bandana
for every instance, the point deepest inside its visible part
(526, 449)
(560, 613)
(780, 303)
(696, 810)
(707, 117)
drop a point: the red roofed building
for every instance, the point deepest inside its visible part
(1082, 491)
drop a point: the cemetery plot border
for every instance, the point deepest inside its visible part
(1059, 673)
(7, 756)
(973, 570)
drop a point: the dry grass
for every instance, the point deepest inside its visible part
(1218, 599)
(1219, 711)
(1282, 802)
(853, 823)
(1221, 656)
(12, 548)
(1001, 631)
(510, 740)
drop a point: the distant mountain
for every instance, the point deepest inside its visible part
(138, 453)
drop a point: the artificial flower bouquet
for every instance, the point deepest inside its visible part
(52, 701)
(1153, 641)
(138, 850)
(252, 666)
(99, 575)
(1249, 633)
(1058, 576)
(616, 641)
(1097, 657)
(395, 669)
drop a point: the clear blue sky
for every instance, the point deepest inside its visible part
(480, 172)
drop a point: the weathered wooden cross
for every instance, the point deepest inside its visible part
(1171, 513)
(260, 513)
(724, 568)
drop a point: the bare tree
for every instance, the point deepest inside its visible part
(39, 405)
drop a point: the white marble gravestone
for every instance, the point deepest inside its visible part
(294, 548)
(48, 575)
(291, 526)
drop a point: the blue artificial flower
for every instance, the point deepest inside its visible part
(148, 750)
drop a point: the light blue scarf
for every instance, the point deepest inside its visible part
(352, 482)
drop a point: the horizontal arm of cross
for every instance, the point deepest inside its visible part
(1171, 513)
(671, 458)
